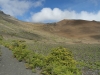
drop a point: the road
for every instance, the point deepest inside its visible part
(11, 66)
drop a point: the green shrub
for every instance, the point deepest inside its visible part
(35, 60)
(60, 62)
(0, 51)
(1, 37)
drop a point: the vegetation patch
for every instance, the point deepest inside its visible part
(1, 38)
(60, 60)
(28, 35)
(0, 51)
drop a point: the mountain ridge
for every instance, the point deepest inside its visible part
(67, 28)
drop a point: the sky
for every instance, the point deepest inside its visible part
(47, 11)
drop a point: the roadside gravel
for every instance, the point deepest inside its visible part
(11, 66)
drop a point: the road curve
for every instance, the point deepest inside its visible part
(11, 66)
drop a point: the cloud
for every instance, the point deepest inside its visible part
(38, 3)
(56, 14)
(18, 7)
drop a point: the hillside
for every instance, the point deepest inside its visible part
(76, 29)
(63, 31)
(11, 27)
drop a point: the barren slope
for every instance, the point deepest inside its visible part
(67, 29)
(76, 29)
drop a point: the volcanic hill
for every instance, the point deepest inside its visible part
(81, 30)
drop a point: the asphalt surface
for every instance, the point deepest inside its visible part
(11, 66)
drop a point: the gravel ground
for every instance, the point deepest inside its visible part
(87, 71)
(10, 65)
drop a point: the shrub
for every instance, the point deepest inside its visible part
(60, 62)
(0, 51)
(1, 37)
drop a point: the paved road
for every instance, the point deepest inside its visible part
(10, 65)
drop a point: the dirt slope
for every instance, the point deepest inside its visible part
(75, 29)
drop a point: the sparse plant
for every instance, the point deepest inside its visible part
(1, 37)
(0, 51)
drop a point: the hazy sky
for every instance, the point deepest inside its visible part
(51, 10)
